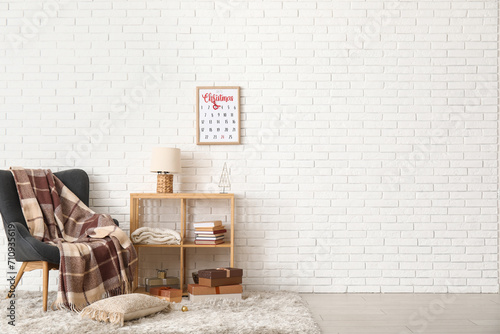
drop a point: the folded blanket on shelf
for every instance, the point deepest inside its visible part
(97, 257)
(156, 236)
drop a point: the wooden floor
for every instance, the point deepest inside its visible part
(406, 313)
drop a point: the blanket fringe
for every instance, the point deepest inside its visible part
(103, 316)
(115, 292)
(66, 306)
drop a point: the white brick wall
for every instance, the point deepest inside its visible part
(369, 155)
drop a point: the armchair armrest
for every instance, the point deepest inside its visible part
(30, 249)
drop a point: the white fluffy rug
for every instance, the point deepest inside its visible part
(259, 312)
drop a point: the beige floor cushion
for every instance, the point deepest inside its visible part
(118, 309)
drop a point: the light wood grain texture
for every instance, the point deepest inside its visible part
(182, 269)
(35, 265)
(135, 201)
(134, 221)
(156, 246)
(45, 284)
(181, 195)
(406, 313)
(191, 244)
(183, 236)
(183, 219)
(232, 232)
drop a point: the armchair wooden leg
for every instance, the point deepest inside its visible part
(18, 278)
(45, 266)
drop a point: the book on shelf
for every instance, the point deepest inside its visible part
(208, 242)
(208, 224)
(210, 233)
(210, 238)
(210, 229)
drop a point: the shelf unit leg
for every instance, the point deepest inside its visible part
(183, 250)
(182, 269)
(232, 232)
(134, 225)
(135, 284)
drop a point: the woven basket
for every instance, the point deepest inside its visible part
(165, 183)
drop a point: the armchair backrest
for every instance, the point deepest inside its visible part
(76, 180)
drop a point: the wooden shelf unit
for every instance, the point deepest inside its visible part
(135, 199)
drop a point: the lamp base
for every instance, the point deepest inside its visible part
(165, 183)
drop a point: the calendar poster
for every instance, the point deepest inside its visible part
(218, 115)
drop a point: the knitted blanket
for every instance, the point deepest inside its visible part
(156, 236)
(97, 257)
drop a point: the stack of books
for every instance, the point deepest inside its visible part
(209, 233)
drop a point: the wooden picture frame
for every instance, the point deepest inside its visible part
(218, 115)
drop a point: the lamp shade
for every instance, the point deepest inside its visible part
(166, 159)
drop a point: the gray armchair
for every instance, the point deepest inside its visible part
(33, 253)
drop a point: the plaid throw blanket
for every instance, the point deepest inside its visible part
(97, 257)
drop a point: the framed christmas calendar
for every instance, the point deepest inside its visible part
(218, 115)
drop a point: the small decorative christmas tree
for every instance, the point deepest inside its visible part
(224, 180)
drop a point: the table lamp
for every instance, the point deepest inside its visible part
(165, 161)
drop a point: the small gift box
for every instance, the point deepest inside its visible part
(197, 290)
(161, 273)
(155, 291)
(168, 294)
(169, 281)
(220, 273)
(220, 276)
(220, 281)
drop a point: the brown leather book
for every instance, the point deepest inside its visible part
(210, 238)
(210, 234)
(220, 281)
(209, 242)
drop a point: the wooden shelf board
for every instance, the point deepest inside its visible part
(182, 195)
(142, 290)
(192, 244)
(156, 246)
(186, 244)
